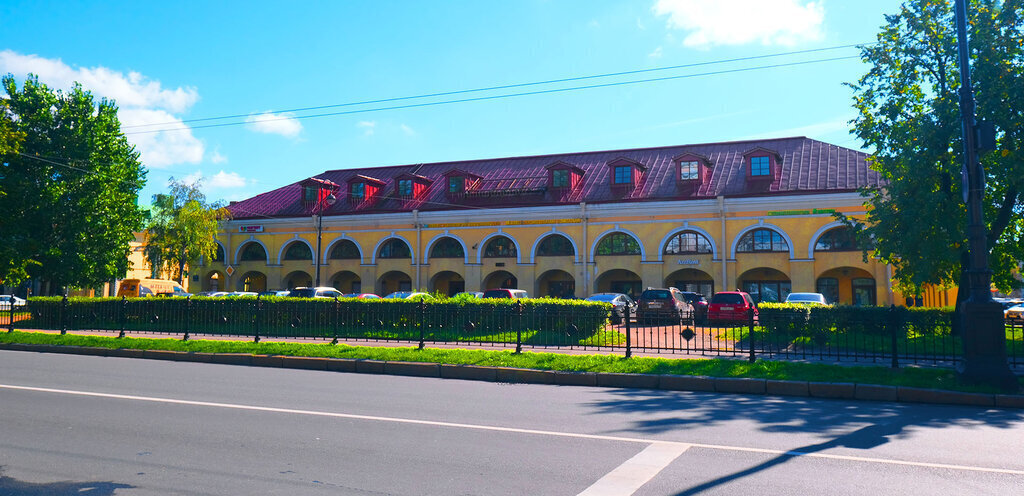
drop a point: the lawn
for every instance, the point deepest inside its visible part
(780, 370)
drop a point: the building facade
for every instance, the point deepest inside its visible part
(753, 215)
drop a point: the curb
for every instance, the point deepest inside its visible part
(737, 385)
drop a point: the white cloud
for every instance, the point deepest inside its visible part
(368, 127)
(220, 180)
(217, 158)
(739, 22)
(162, 149)
(656, 54)
(284, 124)
(407, 130)
(141, 102)
(225, 180)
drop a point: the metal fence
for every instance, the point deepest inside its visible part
(890, 337)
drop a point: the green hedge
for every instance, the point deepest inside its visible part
(457, 319)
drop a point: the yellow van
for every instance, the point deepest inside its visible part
(134, 288)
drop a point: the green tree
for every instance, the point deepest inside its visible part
(182, 229)
(69, 202)
(908, 112)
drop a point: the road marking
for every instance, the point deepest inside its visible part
(629, 476)
(515, 430)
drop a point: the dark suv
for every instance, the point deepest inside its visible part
(699, 304)
(663, 304)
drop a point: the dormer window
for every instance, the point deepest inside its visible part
(623, 175)
(316, 191)
(560, 178)
(692, 171)
(357, 192)
(563, 176)
(762, 163)
(363, 189)
(461, 182)
(456, 184)
(760, 166)
(405, 188)
(689, 170)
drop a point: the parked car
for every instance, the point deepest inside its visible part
(514, 294)
(474, 294)
(730, 306)
(6, 302)
(1014, 314)
(134, 288)
(318, 292)
(622, 305)
(215, 294)
(274, 293)
(361, 296)
(408, 295)
(660, 304)
(242, 293)
(807, 299)
(699, 304)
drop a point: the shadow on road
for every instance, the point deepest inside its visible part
(14, 487)
(840, 424)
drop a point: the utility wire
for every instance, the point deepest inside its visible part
(507, 95)
(257, 214)
(508, 86)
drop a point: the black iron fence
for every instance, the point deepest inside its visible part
(890, 336)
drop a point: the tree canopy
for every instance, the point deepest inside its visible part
(908, 113)
(70, 187)
(181, 230)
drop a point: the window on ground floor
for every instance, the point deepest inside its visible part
(772, 291)
(864, 291)
(829, 286)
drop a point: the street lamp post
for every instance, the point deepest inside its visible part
(328, 200)
(984, 335)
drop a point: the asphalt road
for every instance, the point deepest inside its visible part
(111, 426)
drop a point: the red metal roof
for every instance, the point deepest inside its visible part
(807, 166)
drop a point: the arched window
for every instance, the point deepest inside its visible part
(344, 250)
(447, 248)
(394, 248)
(218, 255)
(298, 251)
(760, 240)
(618, 244)
(836, 239)
(687, 242)
(556, 245)
(253, 252)
(500, 247)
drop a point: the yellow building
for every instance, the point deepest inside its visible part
(753, 215)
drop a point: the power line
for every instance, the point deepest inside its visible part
(508, 86)
(507, 95)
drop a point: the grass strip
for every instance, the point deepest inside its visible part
(933, 378)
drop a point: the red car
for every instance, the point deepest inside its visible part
(730, 306)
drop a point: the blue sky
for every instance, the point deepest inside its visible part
(166, 63)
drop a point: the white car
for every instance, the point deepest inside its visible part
(317, 292)
(807, 299)
(5, 302)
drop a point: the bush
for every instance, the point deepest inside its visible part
(441, 319)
